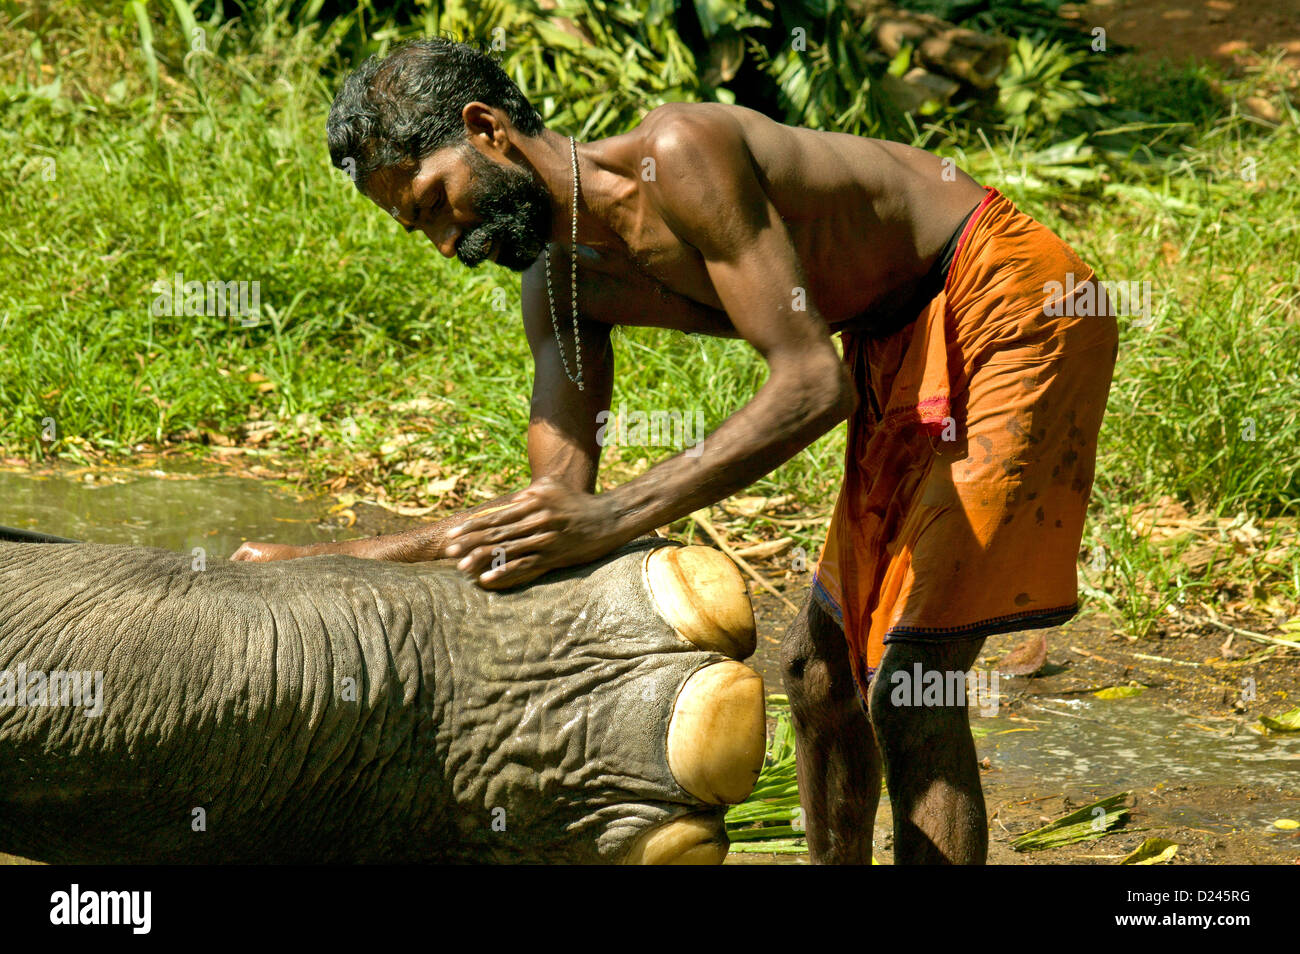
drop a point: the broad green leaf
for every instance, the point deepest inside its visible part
(1153, 851)
(1287, 722)
(1084, 824)
(901, 61)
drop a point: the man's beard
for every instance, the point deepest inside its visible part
(515, 211)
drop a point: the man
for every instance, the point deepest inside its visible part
(974, 393)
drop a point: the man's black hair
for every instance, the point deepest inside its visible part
(402, 108)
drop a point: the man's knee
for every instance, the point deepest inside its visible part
(814, 662)
(918, 697)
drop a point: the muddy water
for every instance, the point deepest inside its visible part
(1057, 744)
(1140, 745)
(1205, 780)
(172, 510)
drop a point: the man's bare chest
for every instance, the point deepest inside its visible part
(618, 287)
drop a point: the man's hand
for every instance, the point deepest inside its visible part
(545, 526)
(266, 552)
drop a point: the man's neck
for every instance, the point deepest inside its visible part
(551, 156)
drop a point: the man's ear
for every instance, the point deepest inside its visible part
(486, 128)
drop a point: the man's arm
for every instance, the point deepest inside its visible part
(561, 434)
(709, 194)
(562, 420)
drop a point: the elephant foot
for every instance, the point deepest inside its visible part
(716, 731)
(691, 840)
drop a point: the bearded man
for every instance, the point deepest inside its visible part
(977, 356)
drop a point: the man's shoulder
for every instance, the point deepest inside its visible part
(691, 153)
(676, 126)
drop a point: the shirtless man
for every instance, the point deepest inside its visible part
(714, 219)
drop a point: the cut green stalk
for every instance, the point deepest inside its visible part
(1085, 824)
(771, 812)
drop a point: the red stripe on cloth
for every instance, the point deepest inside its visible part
(989, 194)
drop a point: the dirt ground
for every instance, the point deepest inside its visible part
(1203, 29)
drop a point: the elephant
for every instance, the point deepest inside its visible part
(331, 709)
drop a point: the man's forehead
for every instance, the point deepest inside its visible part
(389, 188)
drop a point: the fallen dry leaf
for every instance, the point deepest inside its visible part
(437, 488)
(753, 506)
(1026, 658)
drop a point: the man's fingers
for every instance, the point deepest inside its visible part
(470, 546)
(523, 502)
(480, 559)
(514, 573)
(528, 524)
(480, 523)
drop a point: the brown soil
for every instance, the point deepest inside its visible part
(1218, 30)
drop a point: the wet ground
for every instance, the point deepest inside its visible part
(1201, 29)
(1187, 747)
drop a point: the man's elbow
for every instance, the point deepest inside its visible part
(823, 392)
(843, 397)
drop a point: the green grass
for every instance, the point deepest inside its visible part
(112, 179)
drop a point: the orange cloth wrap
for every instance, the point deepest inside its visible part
(970, 457)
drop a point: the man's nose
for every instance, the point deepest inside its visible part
(446, 243)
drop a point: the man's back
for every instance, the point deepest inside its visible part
(867, 218)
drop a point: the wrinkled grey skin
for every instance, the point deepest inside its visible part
(224, 689)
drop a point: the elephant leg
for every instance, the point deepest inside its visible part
(333, 709)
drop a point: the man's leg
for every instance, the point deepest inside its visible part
(839, 764)
(930, 767)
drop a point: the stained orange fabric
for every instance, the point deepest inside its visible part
(970, 457)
